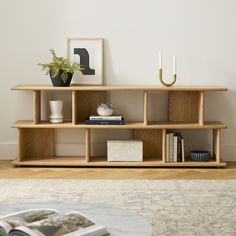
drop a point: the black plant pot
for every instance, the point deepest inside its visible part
(57, 81)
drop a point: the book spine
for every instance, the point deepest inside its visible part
(182, 149)
(104, 122)
(105, 118)
(167, 148)
(179, 151)
(171, 147)
(175, 148)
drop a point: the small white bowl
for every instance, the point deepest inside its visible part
(104, 111)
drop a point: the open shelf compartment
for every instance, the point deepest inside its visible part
(41, 107)
(37, 147)
(186, 106)
(152, 145)
(213, 147)
(84, 104)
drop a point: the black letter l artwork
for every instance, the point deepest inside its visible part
(84, 61)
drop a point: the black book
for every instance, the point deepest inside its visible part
(179, 148)
(104, 122)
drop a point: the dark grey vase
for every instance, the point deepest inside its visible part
(57, 81)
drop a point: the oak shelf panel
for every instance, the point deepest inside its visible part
(127, 125)
(42, 124)
(119, 88)
(52, 161)
(101, 162)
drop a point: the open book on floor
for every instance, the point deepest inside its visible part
(49, 222)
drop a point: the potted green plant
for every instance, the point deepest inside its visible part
(60, 70)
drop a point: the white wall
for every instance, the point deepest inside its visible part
(201, 33)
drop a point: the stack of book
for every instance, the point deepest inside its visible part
(174, 147)
(104, 120)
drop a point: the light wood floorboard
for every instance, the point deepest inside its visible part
(10, 172)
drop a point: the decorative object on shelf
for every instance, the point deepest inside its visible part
(89, 53)
(60, 70)
(125, 150)
(200, 155)
(160, 71)
(56, 108)
(104, 109)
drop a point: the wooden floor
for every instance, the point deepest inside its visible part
(10, 172)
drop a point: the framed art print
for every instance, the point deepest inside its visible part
(89, 54)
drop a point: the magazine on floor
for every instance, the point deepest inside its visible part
(49, 222)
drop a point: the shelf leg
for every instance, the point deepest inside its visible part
(74, 107)
(164, 145)
(217, 144)
(20, 144)
(201, 108)
(145, 107)
(87, 144)
(36, 106)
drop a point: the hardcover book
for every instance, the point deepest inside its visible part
(105, 118)
(179, 148)
(175, 148)
(182, 149)
(168, 147)
(104, 122)
(171, 147)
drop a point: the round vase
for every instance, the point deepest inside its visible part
(56, 108)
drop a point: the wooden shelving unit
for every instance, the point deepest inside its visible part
(185, 112)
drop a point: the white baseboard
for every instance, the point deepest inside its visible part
(8, 151)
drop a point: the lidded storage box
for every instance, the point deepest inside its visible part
(125, 150)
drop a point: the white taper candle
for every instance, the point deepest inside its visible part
(160, 60)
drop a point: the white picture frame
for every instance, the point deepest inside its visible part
(89, 53)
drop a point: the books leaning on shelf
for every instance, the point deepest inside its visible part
(175, 147)
(104, 120)
(44, 222)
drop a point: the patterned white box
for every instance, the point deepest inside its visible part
(125, 150)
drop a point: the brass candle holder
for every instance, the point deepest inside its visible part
(163, 82)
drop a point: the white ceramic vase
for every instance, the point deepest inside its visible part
(56, 108)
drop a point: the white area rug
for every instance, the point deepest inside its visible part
(172, 207)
